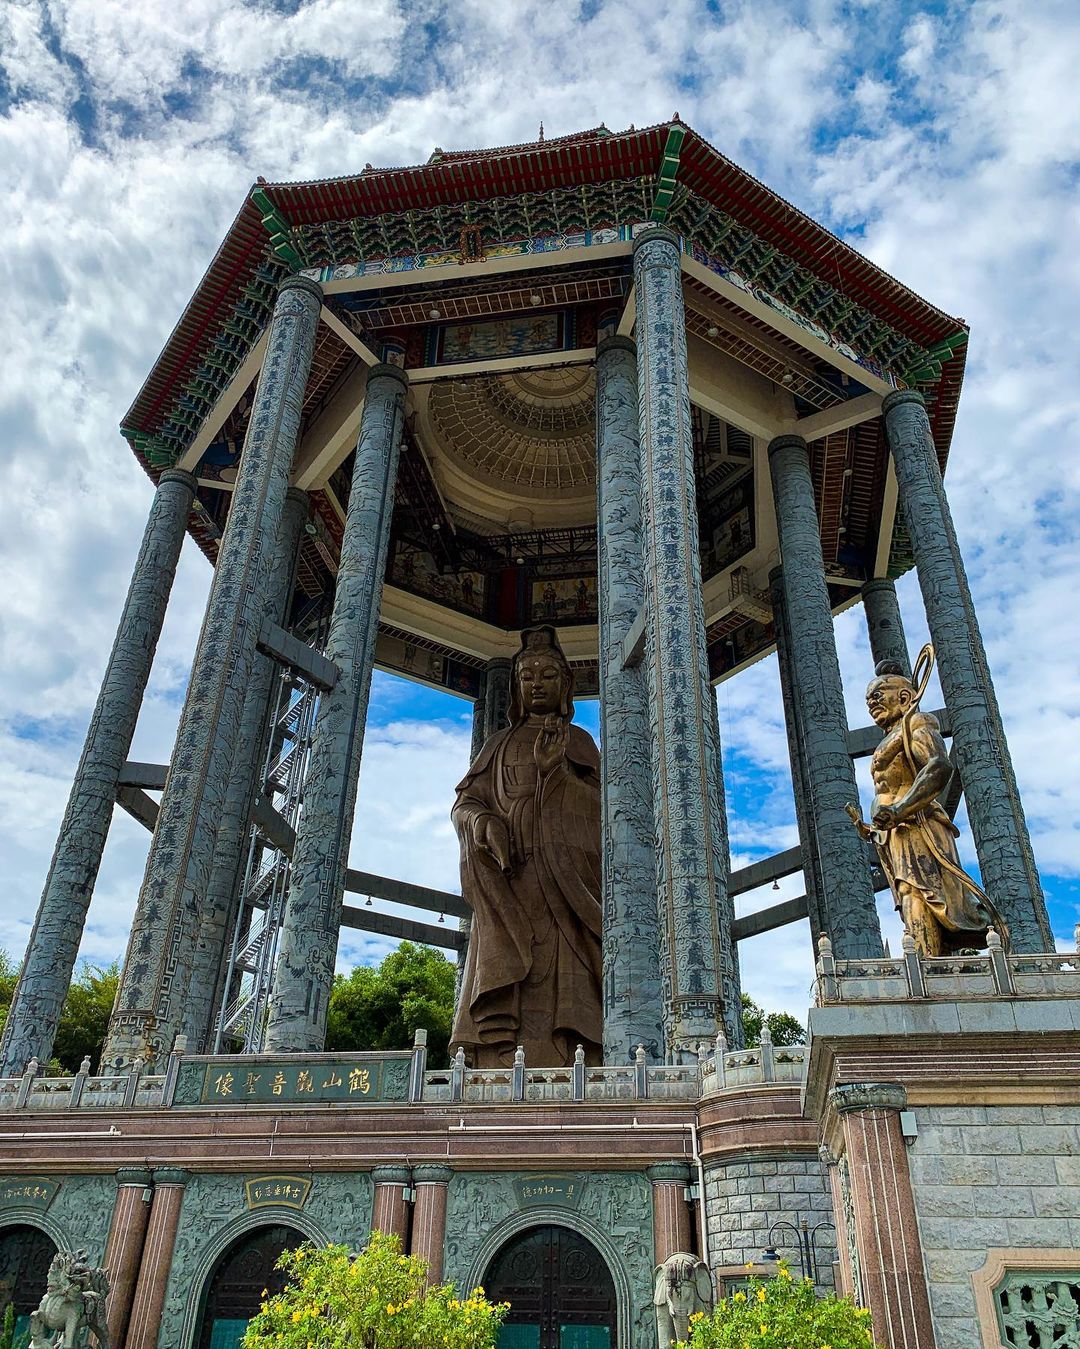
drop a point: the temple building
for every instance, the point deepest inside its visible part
(598, 416)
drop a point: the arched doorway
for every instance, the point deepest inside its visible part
(560, 1290)
(25, 1256)
(235, 1286)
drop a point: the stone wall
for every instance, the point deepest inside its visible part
(988, 1177)
(744, 1199)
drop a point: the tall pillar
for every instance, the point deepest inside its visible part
(124, 1248)
(431, 1183)
(157, 968)
(801, 785)
(156, 1258)
(884, 625)
(697, 953)
(309, 937)
(479, 724)
(671, 1213)
(633, 999)
(497, 695)
(220, 910)
(886, 1236)
(998, 826)
(390, 1212)
(54, 941)
(848, 911)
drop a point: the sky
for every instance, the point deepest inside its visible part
(939, 139)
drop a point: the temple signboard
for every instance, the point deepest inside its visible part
(292, 1080)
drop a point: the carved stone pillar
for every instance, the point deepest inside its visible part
(157, 968)
(156, 1258)
(124, 1248)
(390, 1213)
(496, 695)
(845, 1284)
(54, 942)
(847, 909)
(429, 1216)
(697, 953)
(882, 1211)
(671, 1213)
(309, 936)
(632, 995)
(884, 625)
(998, 826)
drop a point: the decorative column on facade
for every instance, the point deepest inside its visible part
(1006, 860)
(843, 1272)
(632, 993)
(390, 1213)
(882, 1213)
(431, 1183)
(54, 941)
(801, 786)
(309, 937)
(697, 952)
(847, 909)
(124, 1248)
(220, 909)
(671, 1213)
(156, 1259)
(157, 968)
(884, 625)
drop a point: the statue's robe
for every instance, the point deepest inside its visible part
(533, 971)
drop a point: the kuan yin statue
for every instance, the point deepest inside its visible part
(527, 815)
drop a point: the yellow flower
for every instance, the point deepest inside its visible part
(390, 1309)
(749, 1264)
(740, 1296)
(763, 1329)
(761, 1294)
(784, 1273)
(297, 1315)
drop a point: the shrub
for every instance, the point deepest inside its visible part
(378, 1299)
(782, 1313)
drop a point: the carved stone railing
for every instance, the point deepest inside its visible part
(984, 975)
(34, 1091)
(637, 1081)
(765, 1065)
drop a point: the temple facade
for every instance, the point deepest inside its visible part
(611, 386)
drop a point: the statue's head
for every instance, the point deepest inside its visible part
(889, 694)
(542, 681)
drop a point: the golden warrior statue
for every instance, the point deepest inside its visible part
(528, 818)
(941, 906)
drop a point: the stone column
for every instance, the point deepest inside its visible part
(671, 1213)
(309, 937)
(801, 786)
(848, 911)
(157, 968)
(884, 624)
(124, 1248)
(390, 1212)
(891, 1272)
(633, 1000)
(496, 695)
(479, 724)
(220, 910)
(156, 1258)
(58, 928)
(845, 1285)
(1006, 860)
(429, 1216)
(697, 954)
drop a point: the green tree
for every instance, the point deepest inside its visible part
(84, 1018)
(378, 1298)
(783, 1027)
(782, 1313)
(381, 1007)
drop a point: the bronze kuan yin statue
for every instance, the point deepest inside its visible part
(527, 815)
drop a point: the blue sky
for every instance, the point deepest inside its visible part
(940, 139)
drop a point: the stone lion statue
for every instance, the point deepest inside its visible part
(73, 1306)
(682, 1286)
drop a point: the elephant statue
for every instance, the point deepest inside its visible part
(682, 1286)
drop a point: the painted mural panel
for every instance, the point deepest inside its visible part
(527, 335)
(563, 600)
(415, 569)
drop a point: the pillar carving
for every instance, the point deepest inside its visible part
(390, 1212)
(671, 1213)
(848, 912)
(497, 695)
(697, 954)
(309, 937)
(882, 1212)
(220, 910)
(124, 1247)
(631, 982)
(157, 1255)
(54, 941)
(998, 825)
(884, 625)
(429, 1216)
(157, 968)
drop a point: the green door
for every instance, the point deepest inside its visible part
(560, 1290)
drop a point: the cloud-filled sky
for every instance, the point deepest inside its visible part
(940, 139)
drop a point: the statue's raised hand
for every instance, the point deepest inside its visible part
(551, 743)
